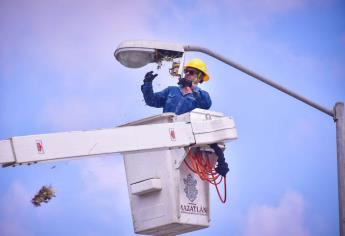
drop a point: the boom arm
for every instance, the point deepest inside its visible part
(182, 131)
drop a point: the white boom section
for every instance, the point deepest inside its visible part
(182, 131)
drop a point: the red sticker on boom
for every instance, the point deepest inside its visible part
(172, 134)
(39, 147)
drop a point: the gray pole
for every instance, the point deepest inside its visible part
(259, 77)
(340, 126)
(337, 114)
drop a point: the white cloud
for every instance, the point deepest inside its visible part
(105, 181)
(286, 219)
(105, 187)
(74, 40)
(13, 205)
(103, 174)
(11, 228)
(66, 50)
(74, 114)
(13, 200)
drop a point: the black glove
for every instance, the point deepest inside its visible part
(149, 77)
(217, 150)
(222, 167)
(185, 83)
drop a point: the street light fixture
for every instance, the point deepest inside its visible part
(136, 54)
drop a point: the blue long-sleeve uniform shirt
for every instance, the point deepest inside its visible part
(173, 100)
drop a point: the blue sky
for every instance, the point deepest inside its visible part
(58, 73)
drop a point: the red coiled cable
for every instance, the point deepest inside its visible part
(200, 164)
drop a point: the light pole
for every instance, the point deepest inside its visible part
(337, 113)
(129, 49)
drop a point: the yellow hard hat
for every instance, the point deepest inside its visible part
(199, 65)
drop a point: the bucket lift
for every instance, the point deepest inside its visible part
(166, 196)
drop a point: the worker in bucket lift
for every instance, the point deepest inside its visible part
(184, 98)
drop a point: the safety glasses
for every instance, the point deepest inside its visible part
(190, 72)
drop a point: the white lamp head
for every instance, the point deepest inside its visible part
(136, 54)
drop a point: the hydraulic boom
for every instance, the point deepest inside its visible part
(178, 131)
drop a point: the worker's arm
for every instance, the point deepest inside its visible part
(151, 98)
(202, 98)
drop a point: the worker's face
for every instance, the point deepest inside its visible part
(192, 74)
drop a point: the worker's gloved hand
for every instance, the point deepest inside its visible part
(149, 77)
(185, 83)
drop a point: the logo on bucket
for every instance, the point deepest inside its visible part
(193, 207)
(190, 187)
